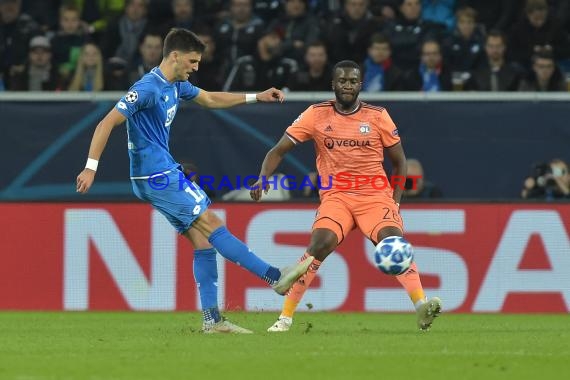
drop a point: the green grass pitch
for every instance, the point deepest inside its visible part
(95, 345)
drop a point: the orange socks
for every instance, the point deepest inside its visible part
(299, 288)
(410, 280)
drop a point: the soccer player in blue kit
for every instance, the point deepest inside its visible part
(149, 108)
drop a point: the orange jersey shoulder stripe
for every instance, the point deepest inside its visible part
(328, 103)
(369, 106)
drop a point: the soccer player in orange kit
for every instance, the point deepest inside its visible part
(350, 138)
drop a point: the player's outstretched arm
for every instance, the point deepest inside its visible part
(229, 99)
(272, 160)
(98, 142)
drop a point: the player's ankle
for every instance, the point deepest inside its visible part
(420, 303)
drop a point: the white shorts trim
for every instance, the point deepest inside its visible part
(154, 175)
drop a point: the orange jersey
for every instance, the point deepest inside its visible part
(349, 147)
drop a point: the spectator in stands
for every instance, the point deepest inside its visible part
(67, 43)
(264, 69)
(326, 9)
(182, 16)
(548, 181)
(267, 10)
(16, 30)
(88, 74)
(316, 74)
(493, 14)
(560, 10)
(299, 28)
(39, 74)
(124, 34)
(407, 32)
(416, 185)
(210, 76)
(211, 11)
(159, 12)
(431, 75)
(537, 28)
(495, 73)
(439, 12)
(545, 75)
(380, 73)
(44, 12)
(116, 74)
(348, 33)
(384, 9)
(463, 51)
(238, 34)
(97, 14)
(150, 55)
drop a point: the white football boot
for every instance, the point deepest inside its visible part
(290, 274)
(283, 324)
(224, 327)
(427, 312)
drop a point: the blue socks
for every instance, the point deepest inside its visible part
(206, 276)
(237, 252)
(206, 270)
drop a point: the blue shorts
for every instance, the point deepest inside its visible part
(180, 200)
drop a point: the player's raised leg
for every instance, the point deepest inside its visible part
(323, 242)
(237, 252)
(332, 222)
(185, 206)
(426, 309)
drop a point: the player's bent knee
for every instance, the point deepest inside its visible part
(207, 223)
(388, 231)
(322, 244)
(197, 239)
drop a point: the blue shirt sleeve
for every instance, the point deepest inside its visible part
(188, 91)
(136, 99)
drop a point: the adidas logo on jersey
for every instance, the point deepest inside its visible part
(328, 129)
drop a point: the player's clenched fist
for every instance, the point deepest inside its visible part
(271, 95)
(85, 180)
(257, 188)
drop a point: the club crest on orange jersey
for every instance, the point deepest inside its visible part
(364, 128)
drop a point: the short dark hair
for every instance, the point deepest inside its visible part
(379, 38)
(497, 34)
(69, 7)
(346, 64)
(182, 40)
(543, 52)
(466, 12)
(429, 41)
(535, 5)
(150, 32)
(316, 43)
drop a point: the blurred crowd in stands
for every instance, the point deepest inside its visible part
(402, 45)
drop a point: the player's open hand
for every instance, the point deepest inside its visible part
(85, 180)
(271, 95)
(257, 189)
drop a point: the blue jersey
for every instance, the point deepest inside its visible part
(150, 106)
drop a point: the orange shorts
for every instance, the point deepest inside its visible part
(341, 212)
